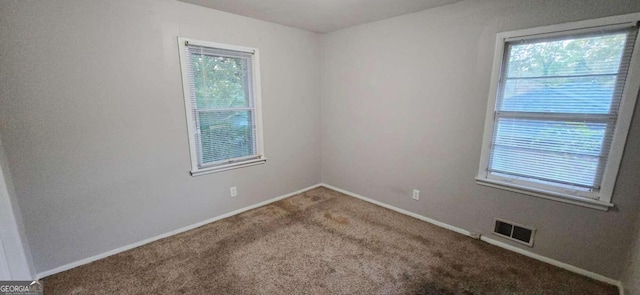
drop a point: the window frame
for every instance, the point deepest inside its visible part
(600, 199)
(259, 157)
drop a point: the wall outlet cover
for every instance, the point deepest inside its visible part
(233, 191)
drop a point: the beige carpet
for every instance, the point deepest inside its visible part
(320, 242)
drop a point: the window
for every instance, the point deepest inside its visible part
(222, 100)
(559, 110)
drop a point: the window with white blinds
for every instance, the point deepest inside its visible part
(554, 126)
(222, 103)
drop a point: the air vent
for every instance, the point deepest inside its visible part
(515, 232)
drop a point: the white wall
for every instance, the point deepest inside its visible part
(403, 107)
(631, 275)
(15, 257)
(94, 126)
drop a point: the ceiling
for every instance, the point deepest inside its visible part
(320, 16)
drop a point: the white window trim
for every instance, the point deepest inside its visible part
(191, 124)
(598, 200)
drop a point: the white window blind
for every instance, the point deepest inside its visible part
(556, 109)
(221, 98)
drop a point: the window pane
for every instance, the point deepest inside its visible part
(575, 170)
(589, 95)
(567, 152)
(552, 136)
(570, 56)
(226, 135)
(220, 82)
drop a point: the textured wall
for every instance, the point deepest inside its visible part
(631, 275)
(94, 127)
(403, 107)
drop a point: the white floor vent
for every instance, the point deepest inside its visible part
(515, 232)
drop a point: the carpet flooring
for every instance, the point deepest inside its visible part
(320, 242)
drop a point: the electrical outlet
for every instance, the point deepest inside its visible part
(234, 191)
(416, 194)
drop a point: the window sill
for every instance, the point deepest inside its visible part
(208, 170)
(589, 203)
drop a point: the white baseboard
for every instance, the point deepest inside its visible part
(168, 234)
(553, 262)
(506, 246)
(621, 287)
(405, 212)
(530, 254)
